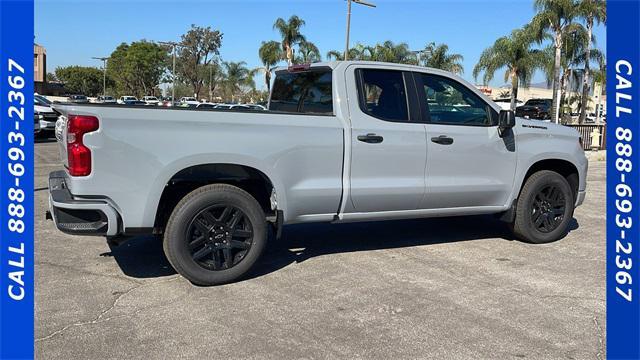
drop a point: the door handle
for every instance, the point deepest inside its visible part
(370, 138)
(442, 140)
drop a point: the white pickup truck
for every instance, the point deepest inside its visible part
(340, 142)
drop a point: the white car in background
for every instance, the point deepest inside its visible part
(189, 101)
(505, 104)
(206, 105)
(45, 115)
(127, 99)
(256, 107)
(232, 107)
(150, 100)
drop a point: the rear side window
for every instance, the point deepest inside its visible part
(303, 92)
(383, 94)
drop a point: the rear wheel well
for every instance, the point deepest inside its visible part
(562, 167)
(185, 181)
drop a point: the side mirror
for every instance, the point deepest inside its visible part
(506, 120)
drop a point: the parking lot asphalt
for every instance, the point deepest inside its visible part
(432, 288)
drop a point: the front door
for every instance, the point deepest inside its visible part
(468, 163)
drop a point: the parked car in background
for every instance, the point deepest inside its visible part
(44, 113)
(36, 125)
(105, 99)
(232, 107)
(166, 101)
(189, 100)
(539, 109)
(255, 107)
(127, 100)
(360, 143)
(78, 99)
(206, 105)
(150, 100)
(505, 104)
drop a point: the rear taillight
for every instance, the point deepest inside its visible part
(78, 155)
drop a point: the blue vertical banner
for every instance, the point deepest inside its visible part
(16, 179)
(623, 182)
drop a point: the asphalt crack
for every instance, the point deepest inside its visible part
(101, 317)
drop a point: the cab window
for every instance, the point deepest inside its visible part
(308, 92)
(383, 94)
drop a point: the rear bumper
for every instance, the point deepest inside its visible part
(79, 216)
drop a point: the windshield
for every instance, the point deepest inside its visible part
(41, 100)
(538, 102)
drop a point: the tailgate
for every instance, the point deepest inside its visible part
(61, 133)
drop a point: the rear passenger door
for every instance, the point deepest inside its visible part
(468, 163)
(388, 144)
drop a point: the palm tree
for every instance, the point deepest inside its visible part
(290, 33)
(307, 53)
(357, 52)
(237, 77)
(554, 17)
(592, 11)
(389, 51)
(600, 76)
(514, 53)
(270, 54)
(438, 56)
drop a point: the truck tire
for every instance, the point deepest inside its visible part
(544, 208)
(215, 234)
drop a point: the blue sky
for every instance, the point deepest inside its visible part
(74, 31)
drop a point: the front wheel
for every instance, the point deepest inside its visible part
(215, 234)
(544, 208)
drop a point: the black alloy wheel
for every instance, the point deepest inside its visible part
(219, 237)
(548, 208)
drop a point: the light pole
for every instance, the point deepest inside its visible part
(173, 44)
(104, 74)
(361, 2)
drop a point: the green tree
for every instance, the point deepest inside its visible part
(81, 79)
(137, 68)
(437, 56)
(307, 53)
(237, 79)
(592, 11)
(270, 55)
(513, 53)
(51, 77)
(290, 32)
(199, 47)
(387, 51)
(553, 19)
(391, 52)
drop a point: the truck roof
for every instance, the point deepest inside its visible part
(341, 64)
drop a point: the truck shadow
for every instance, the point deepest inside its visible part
(143, 257)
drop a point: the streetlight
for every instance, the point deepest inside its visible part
(361, 2)
(173, 44)
(104, 75)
